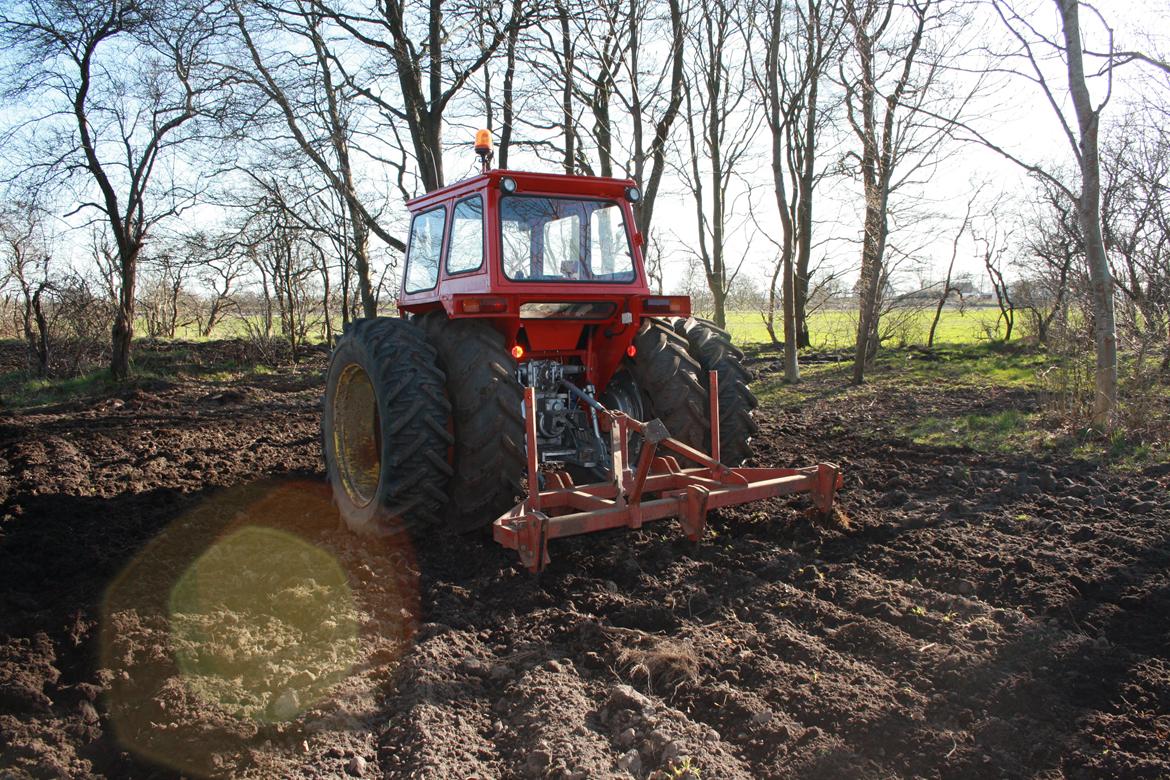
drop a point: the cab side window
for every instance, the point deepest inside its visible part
(465, 252)
(426, 245)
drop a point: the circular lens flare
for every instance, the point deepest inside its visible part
(245, 612)
(263, 624)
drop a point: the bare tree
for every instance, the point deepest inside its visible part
(798, 42)
(122, 83)
(605, 99)
(429, 56)
(616, 72)
(1050, 262)
(308, 94)
(1135, 217)
(884, 81)
(1084, 146)
(26, 269)
(667, 93)
(992, 251)
(721, 122)
(1081, 131)
(221, 273)
(167, 270)
(285, 259)
(947, 287)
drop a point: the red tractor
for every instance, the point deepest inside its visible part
(528, 337)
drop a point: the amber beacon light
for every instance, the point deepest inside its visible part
(483, 147)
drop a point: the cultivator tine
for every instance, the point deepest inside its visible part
(533, 502)
(694, 519)
(713, 395)
(533, 547)
(829, 479)
(658, 489)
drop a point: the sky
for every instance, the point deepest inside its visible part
(1014, 115)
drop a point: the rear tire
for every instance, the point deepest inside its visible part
(670, 379)
(712, 349)
(384, 428)
(486, 400)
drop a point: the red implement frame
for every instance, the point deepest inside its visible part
(565, 509)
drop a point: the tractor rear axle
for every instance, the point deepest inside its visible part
(565, 509)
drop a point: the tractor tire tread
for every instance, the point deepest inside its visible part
(713, 350)
(486, 401)
(670, 379)
(408, 385)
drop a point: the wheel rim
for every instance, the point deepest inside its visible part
(357, 439)
(622, 394)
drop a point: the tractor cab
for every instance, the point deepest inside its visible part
(550, 259)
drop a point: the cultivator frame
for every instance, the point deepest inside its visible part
(564, 509)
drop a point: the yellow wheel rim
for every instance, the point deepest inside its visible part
(357, 435)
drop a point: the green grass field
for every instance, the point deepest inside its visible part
(837, 329)
(830, 329)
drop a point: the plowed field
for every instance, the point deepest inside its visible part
(177, 598)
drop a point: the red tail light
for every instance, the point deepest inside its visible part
(674, 304)
(631, 350)
(517, 351)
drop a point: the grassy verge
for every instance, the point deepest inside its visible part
(155, 364)
(1026, 423)
(955, 365)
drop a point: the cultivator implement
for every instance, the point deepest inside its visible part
(655, 488)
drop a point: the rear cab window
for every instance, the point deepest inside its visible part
(564, 239)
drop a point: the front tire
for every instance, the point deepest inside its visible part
(384, 428)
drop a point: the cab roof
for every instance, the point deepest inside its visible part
(553, 184)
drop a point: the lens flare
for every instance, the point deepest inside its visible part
(263, 624)
(245, 613)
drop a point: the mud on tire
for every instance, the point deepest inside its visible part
(485, 402)
(384, 427)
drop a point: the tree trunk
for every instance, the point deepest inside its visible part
(942, 300)
(770, 313)
(567, 90)
(429, 149)
(327, 328)
(791, 359)
(602, 127)
(800, 274)
(946, 291)
(1089, 216)
(869, 284)
(40, 344)
(718, 301)
(779, 124)
(509, 79)
(123, 332)
(361, 261)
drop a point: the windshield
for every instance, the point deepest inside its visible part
(559, 239)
